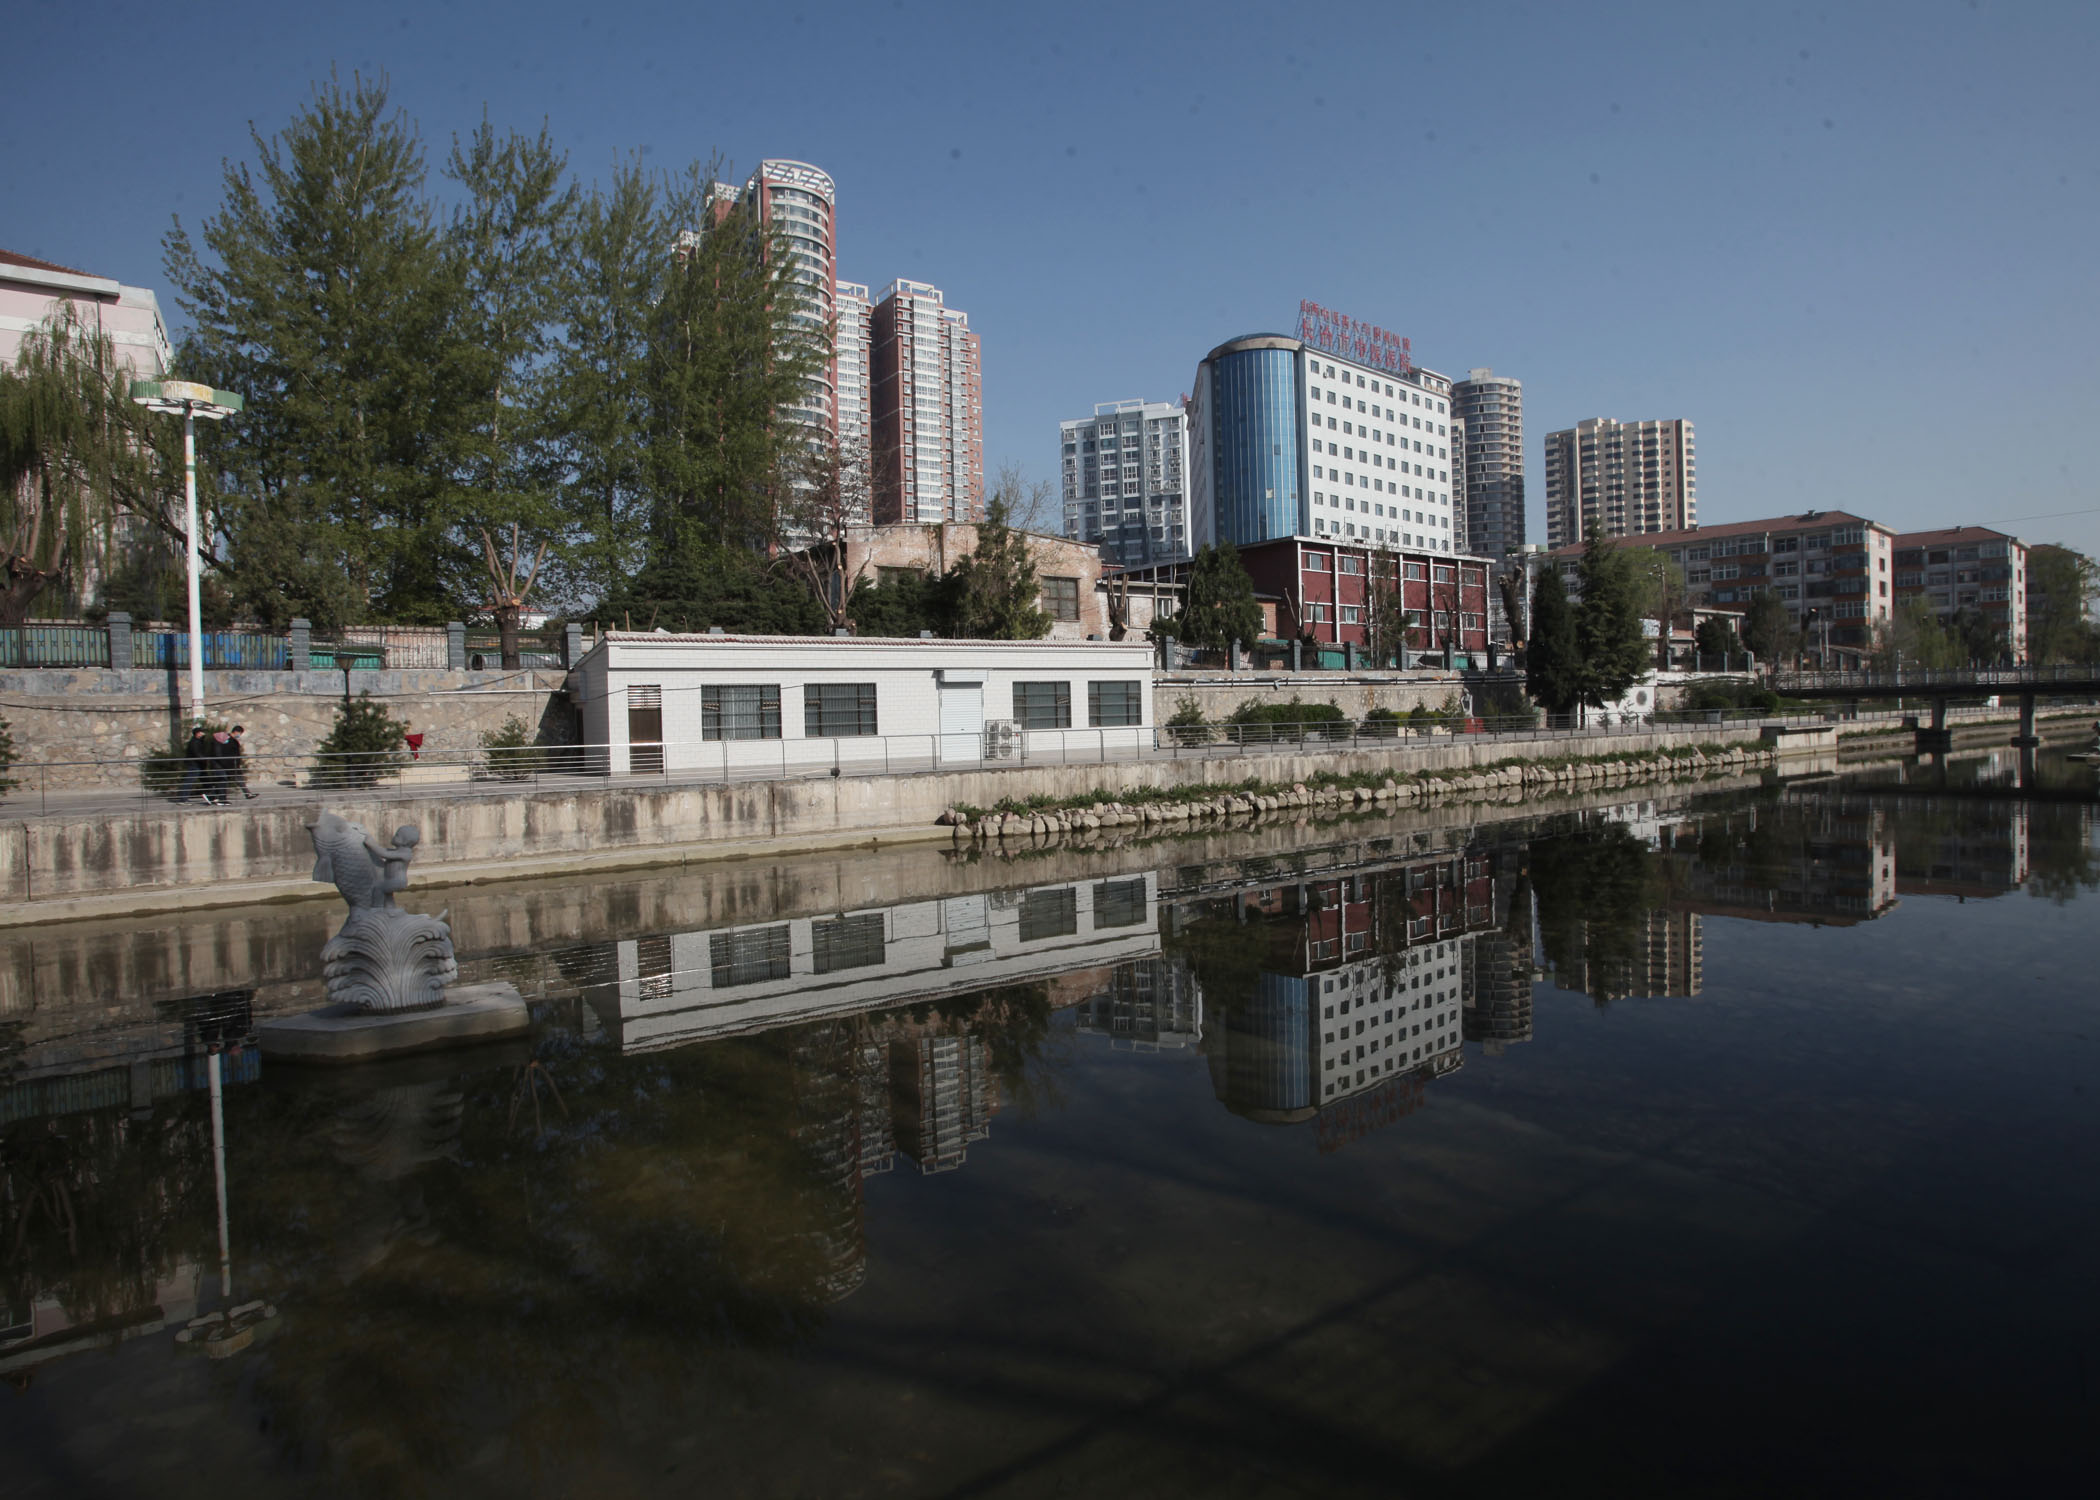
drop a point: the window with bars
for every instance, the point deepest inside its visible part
(1048, 914)
(847, 942)
(1043, 705)
(838, 710)
(1061, 595)
(753, 956)
(1111, 705)
(1119, 903)
(740, 712)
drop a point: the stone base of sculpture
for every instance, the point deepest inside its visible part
(342, 1034)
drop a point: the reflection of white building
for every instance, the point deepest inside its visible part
(693, 986)
(1152, 1005)
(789, 704)
(1387, 1015)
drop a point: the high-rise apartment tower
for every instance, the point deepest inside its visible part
(1126, 481)
(1629, 477)
(1488, 484)
(803, 203)
(926, 408)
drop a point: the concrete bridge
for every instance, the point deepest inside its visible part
(1943, 684)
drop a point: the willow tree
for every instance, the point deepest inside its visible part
(76, 457)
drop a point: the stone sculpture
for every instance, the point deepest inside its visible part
(384, 960)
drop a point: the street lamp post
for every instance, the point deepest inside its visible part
(191, 401)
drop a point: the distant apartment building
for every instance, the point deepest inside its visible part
(855, 338)
(1631, 478)
(1830, 568)
(1125, 481)
(1968, 568)
(802, 202)
(1488, 478)
(926, 408)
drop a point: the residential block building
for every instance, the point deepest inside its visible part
(1968, 567)
(1125, 481)
(1632, 478)
(801, 201)
(1488, 479)
(1830, 568)
(926, 408)
(855, 311)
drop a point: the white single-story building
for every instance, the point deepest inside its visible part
(661, 702)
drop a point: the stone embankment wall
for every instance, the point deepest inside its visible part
(109, 861)
(123, 716)
(1217, 694)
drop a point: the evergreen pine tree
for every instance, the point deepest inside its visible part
(364, 744)
(1552, 668)
(992, 593)
(328, 301)
(1221, 605)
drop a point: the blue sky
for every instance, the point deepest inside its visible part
(1855, 244)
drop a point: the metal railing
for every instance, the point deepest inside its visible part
(224, 650)
(88, 786)
(54, 646)
(1924, 680)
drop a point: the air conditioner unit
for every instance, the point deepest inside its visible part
(1002, 739)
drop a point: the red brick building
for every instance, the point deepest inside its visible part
(1331, 591)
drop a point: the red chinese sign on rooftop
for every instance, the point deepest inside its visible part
(1352, 339)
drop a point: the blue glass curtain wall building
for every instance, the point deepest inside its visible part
(1254, 417)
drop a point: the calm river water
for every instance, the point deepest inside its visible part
(1743, 1141)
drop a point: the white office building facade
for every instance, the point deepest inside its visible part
(1286, 439)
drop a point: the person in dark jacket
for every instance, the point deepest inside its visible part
(199, 758)
(237, 767)
(225, 766)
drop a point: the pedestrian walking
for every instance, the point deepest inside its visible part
(197, 762)
(240, 760)
(224, 753)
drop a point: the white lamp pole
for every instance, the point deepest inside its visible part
(191, 401)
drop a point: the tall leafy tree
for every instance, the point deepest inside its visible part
(323, 293)
(1552, 662)
(75, 456)
(732, 346)
(624, 242)
(505, 244)
(992, 591)
(1608, 639)
(1221, 607)
(2063, 587)
(1768, 628)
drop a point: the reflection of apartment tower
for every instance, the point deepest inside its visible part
(1665, 957)
(1151, 1004)
(1628, 477)
(1676, 954)
(926, 408)
(801, 202)
(1497, 991)
(878, 1140)
(941, 1098)
(1491, 505)
(827, 1132)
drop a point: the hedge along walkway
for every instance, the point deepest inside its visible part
(1045, 817)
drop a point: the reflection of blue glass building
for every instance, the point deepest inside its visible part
(1266, 1064)
(1248, 479)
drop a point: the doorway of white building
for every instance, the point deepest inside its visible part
(962, 718)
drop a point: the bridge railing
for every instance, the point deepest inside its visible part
(1926, 679)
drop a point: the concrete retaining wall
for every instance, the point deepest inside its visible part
(222, 856)
(123, 716)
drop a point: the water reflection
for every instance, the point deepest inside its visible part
(512, 1257)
